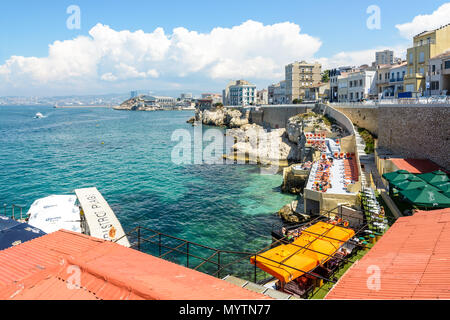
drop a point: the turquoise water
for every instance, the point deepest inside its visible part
(223, 206)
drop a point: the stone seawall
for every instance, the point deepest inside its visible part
(416, 131)
(366, 118)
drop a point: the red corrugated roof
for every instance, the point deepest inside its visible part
(413, 258)
(44, 269)
(416, 165)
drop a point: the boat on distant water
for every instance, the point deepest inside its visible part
(86, 212)
(39, 116)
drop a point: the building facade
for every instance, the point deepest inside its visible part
(384, 57)
(361, 85)
(160, 101)
(262, 97)
(425, 45)
(239, 93)
(438, 79)
(300, 76)
(276, 93)
(334, 75)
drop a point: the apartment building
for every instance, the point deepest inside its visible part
(239, 93)
(300, 76)
(438, 80)
(357, 85)
(426, 45)
(262, 97)
(277, 93)
(334, 76)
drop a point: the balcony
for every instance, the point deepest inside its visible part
(396, 79)
(414, 76)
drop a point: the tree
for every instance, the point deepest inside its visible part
(326, 76)
(297, 101)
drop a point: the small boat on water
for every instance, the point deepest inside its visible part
(39, 116)
(86, 212)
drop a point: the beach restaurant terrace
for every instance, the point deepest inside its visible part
(335, 170)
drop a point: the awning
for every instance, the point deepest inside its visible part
(315, 246)
(100, 218)
(13, 233)
(54, 213)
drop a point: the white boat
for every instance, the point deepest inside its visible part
(39, 115)
(85, 212)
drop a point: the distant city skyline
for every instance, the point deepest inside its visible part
(49, 49)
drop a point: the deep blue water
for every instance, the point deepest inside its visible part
(127, 156)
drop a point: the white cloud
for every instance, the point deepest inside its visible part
(252, 50)
(425, 22)
(360, 57)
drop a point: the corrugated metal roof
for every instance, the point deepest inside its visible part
(413, 259)
(49, 268)
(416, 165)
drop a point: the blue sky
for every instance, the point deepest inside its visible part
(27, 28)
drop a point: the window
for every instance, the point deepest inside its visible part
(410, 71)
(421, 71)
(360, 83)
(447, 64)
(411, 58)
(421, 57)
(434, 85)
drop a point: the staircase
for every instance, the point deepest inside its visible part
(274, 294)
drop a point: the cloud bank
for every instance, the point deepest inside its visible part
(250, 50)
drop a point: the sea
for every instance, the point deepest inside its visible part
(127, 156)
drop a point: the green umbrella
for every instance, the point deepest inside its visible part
(397, 176)
(435, 177)
(444, 187)
(428, 196)
(409, 185)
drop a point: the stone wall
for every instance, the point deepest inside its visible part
(366, 117)
(416, 131)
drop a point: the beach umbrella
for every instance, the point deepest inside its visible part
(428, 196)
(410, 184)
(397, 176)
(444, 187)
(435, 177)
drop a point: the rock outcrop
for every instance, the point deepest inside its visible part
(289, 213)
(265, 147)
(222, 117)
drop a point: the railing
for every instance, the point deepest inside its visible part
(13, 211)
(433, 100)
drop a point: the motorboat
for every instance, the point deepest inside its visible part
(39, 116)
(86, 212)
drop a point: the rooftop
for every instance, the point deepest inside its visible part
(46, 267)
(413, 259)
(416, 165)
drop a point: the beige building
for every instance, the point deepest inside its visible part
(425, 45)
(299, 77)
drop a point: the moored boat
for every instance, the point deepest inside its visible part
(86, 212)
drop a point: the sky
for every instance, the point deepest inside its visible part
(59, 47)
